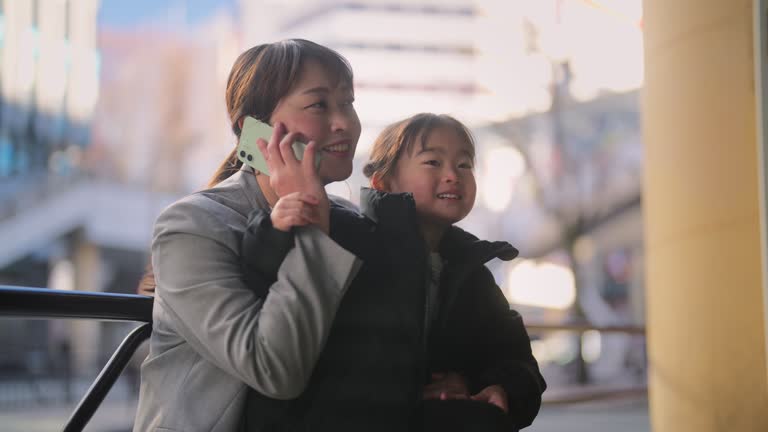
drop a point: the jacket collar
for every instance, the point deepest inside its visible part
(397, 213)
(459, 246)
(240, 190)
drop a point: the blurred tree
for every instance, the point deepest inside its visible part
(581, 173)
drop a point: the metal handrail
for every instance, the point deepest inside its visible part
(594, 394)
(44, 303)
(106, 379)
(590, 394)
(539, 327)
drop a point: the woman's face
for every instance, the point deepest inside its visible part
(322, 112)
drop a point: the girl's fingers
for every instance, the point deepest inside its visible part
(284, 223)
(297, 221)
(292, 209)
(430, 394)
(500, 402)
(308, 198)
(493, 395)
(306, 213)
(447, 395)
(297, 199)
(310, 215)
(297, 204)
(442, 394)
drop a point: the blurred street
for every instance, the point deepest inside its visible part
(619, 416)
(111, 110)
(615, 149)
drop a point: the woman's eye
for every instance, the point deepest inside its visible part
(318, 105)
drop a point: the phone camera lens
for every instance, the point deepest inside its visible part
(250, 158)
(242, 153)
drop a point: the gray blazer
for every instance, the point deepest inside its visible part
(212, 337)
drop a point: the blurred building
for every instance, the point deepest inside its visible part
(161, 122)
(482, 61)
(49, 75)
(403, 60)
(49, 81)
(156, 131)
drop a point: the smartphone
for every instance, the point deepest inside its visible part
(248, 152)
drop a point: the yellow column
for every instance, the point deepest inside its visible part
(706, 316)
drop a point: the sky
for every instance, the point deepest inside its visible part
(126, 14)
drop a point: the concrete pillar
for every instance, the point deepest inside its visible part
(706, 315)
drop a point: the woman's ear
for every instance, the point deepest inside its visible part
(240, 123)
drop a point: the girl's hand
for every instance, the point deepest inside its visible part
(295, 209)
(494, 395)
(446, 385)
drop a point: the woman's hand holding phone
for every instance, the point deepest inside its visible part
(290, 176)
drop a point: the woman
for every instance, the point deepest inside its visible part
(213, 336)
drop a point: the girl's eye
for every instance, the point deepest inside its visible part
(432, 162)
(466, 165)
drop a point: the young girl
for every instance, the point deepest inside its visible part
(478, 347)
(422, 302)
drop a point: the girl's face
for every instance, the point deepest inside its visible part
(440, 176)
(321, 111)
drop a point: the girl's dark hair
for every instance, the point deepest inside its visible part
(402, 136)
(259, 79)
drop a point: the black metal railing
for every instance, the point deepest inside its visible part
(40, 303)
(46, 304)
(586, 393)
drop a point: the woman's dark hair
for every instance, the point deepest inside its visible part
(402, 136)
(259, 79)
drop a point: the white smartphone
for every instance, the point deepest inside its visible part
(248, 152)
